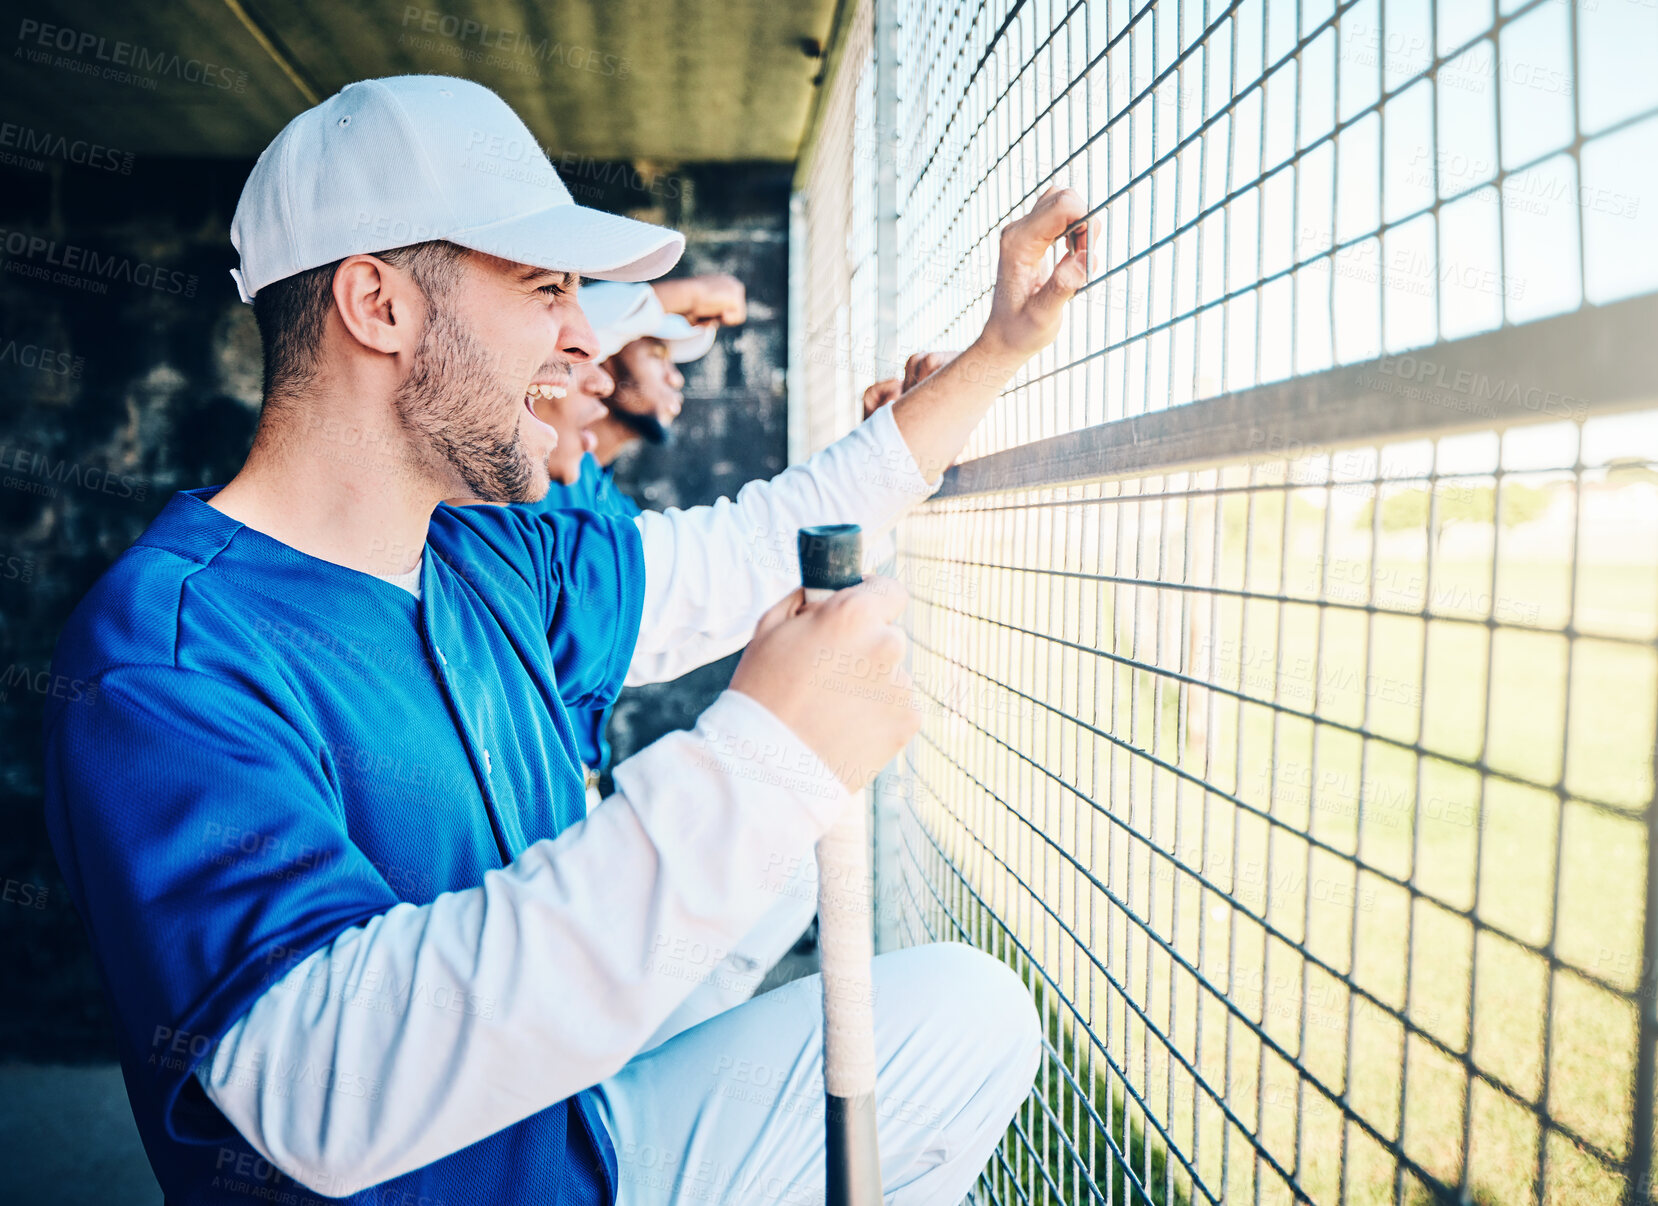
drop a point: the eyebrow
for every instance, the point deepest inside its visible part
(568, 280)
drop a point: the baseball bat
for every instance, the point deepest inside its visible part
(831, 558)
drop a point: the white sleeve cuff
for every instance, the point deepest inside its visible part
(892, 467)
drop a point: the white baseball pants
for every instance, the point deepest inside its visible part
(731, 1110)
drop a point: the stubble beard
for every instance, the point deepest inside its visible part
(445, 403)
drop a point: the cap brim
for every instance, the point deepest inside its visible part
(686, 341)
(574, 238)
(613, 306)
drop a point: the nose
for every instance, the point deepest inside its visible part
(599, 383)
(675, 377)
(579, 343)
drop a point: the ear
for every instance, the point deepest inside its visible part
(380, 306)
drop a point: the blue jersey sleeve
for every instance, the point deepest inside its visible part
(202, 835)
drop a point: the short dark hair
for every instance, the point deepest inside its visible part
(291, 312)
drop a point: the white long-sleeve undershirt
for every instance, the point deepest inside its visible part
(559, 976)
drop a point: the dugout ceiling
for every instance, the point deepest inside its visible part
(667, 80)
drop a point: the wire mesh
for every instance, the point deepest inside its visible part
(1311, 790)
(839, 335)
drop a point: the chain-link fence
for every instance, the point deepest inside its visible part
(1290, 632)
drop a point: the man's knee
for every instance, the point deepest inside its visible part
(988, 1006)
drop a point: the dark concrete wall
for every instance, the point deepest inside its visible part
(113, 394)
(129, 370)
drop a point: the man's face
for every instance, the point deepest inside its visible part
(499, 331)
(571, 417)
(648, 386)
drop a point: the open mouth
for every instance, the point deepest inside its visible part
(543, 390)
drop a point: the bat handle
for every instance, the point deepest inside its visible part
(846, 947)
(830, 559)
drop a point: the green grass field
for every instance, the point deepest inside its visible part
(1547, 851)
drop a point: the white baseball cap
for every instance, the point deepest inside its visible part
(390, 162)
(621, 313)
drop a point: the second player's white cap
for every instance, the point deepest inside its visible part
(389, 162)
(685, 340)
(621, 313)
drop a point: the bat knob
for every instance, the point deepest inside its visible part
(831, 556)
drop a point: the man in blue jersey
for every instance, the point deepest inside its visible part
(632, 327)
(319, 804)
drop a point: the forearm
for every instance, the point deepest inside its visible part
(677, 295)
(436, 1025)
(711, 571)
(938, 415)
(709, 297)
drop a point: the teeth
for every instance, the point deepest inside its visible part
(545, 390)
